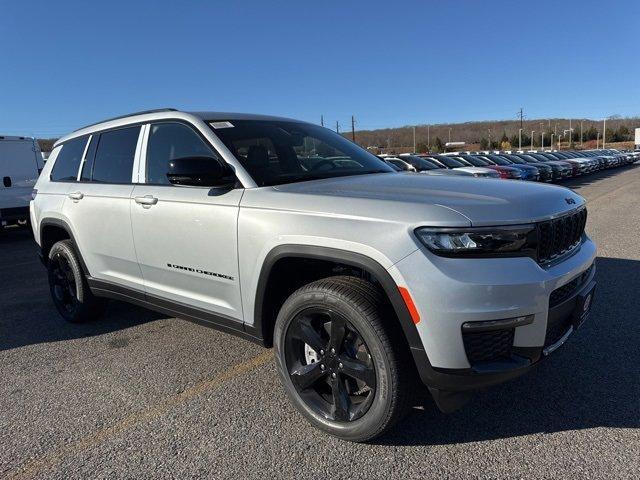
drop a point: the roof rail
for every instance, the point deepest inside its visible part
(156, 110)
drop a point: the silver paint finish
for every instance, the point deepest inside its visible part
(231, 233)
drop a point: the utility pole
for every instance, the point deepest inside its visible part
(542, 142)
(542, 135)
(337, 127)
(414, 139)
(570, 135)
(449, 134)
(552, 141)
(604, 133)
(597, 140)
(532, 132)
(580, 133)
(353, 130)
(322, 120)
(521, 118)
(520, 137)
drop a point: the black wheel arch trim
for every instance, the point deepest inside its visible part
(346, 257)
(56, 222)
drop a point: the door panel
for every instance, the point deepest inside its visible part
(102, 224)
(186, 244)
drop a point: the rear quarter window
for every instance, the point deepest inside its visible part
(68, 161)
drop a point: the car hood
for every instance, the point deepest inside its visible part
(393, 196)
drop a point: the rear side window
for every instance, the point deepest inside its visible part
(168, 141)
(68, 161)
(113, 162)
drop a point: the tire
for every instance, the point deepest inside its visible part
(68, 285)
(343, 397)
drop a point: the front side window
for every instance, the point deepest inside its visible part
(276, 152)
(168, 141)
(68, 161)
(113, 162)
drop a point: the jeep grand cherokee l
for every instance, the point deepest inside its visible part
(364, 280)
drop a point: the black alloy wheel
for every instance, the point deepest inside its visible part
(68, 285)
(330, 365)
(63, 284)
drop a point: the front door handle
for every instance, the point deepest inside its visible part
(76, 196)
(146, 201)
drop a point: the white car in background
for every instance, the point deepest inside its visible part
(20, 165)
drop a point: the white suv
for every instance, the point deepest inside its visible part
(283, 232)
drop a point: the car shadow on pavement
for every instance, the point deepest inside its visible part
(597, 176)
(592, 381)
(28, 315)
(44, 325)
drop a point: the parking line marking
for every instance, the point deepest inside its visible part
(48, 460)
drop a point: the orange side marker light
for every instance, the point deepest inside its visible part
(408, 301)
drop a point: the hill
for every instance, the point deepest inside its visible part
(478, 134)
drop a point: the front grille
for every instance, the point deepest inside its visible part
(488, 346)
(560, 235)
(560, 294)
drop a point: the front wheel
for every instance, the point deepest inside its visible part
(338, 364)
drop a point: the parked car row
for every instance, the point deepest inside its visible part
(539, 166)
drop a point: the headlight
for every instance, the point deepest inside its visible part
(510, 241)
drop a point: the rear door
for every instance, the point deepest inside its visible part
(98, 206)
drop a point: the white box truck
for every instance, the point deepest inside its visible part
(20, 165)
(637, 142)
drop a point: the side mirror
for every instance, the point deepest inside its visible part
(200, 172)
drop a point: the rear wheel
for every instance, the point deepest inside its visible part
(68, 285)
(339, 365)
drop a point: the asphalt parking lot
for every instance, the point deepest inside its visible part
(141, 395)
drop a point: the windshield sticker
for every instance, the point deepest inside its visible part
(221, 124)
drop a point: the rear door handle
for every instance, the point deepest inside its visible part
(76, 196)
(146, 201)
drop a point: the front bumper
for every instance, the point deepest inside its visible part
(451, 292)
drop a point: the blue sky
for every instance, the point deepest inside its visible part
(69, 63)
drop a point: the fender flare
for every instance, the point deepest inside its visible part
(341, 256)
(56, 222)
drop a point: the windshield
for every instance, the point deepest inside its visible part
(476, 161)
(449, 162)
(419, 163)
(276, 152)
(499, 160)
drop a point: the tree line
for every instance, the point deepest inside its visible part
(496, 134)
